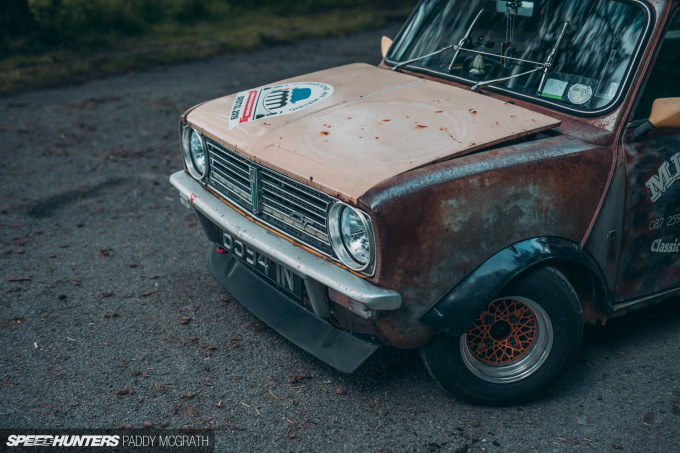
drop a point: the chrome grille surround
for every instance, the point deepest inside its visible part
(278, 201)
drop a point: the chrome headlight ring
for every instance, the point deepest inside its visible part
(195, 152)
(352, 238)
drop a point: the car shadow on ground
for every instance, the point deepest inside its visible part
(661, 317)
(602, 347)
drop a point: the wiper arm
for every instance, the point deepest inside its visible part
(480, 85)
(551, 57)
(463, 41)
(457, 48)
(422, 57)
(546, 66)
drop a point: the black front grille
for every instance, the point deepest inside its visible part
(229, 175)
(292, 208)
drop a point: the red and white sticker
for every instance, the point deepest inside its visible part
(276, 100)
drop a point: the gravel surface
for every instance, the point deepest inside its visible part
(109, 317)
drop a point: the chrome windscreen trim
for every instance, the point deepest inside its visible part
(299, 260)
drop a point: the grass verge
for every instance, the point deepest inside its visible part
(174, 43)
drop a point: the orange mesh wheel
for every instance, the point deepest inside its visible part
(505, 331)
(509, 341)
(520, 343)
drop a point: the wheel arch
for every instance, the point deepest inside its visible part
(455, 312)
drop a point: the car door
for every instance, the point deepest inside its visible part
(650, 248)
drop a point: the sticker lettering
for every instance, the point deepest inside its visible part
(661, 222)
(259, 103)
(659, 246)
(659, 183)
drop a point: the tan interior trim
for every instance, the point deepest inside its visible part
(666, 113)
(385, 44)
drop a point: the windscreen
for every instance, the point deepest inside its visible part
(589, 45)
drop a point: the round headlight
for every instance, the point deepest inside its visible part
(355, 236)
(195, 154)
(351, 236)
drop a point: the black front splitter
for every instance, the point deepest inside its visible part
(338, 348)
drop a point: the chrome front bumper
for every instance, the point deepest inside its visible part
(313, 269)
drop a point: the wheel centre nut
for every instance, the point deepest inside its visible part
(500, 330)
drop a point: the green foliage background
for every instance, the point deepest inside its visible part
(52, 42)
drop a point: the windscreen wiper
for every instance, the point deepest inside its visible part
(422, 57)
(545, 66)
(457, 48)
(465, 39)
(551, 57)
(486, 83)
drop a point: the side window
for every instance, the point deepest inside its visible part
(663, 81)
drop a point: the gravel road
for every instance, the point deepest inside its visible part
(109, 317)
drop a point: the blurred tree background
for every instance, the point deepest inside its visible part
(51, 42)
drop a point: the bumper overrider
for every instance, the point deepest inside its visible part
(250, 246)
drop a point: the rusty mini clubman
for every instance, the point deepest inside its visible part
(507, 173)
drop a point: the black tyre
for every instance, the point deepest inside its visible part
(520, 344)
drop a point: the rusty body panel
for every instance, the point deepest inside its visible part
(650, 260)
(404, 124)
(435, 225)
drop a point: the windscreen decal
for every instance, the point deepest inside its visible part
(554, 88)
(276, 100)
(580, 94)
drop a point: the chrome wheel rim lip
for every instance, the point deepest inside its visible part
(524, 366)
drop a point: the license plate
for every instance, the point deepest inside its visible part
(276, 274)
